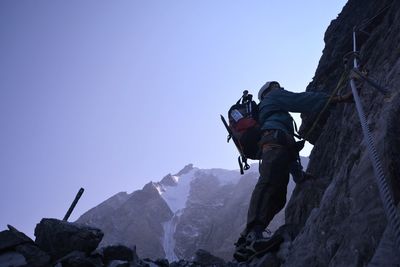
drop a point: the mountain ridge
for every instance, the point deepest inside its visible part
(196, 205)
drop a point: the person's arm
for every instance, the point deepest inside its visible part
(305, 102)
(343, 98)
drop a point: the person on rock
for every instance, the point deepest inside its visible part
(278, 154)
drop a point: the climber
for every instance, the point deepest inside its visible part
(278, 152)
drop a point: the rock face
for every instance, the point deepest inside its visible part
(134, 219)
(341, 213)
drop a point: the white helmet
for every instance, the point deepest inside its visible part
(265, 87)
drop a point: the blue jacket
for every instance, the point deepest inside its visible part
(275, 107)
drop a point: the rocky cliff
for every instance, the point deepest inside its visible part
(341, 213)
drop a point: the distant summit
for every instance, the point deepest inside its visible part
(185, 170)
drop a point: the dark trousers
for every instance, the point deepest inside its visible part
(269, 194)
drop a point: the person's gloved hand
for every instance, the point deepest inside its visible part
(346, 98)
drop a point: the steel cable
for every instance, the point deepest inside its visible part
(384, 191)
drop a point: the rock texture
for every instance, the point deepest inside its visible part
(58, 238)
(341, 213)
(18, 249)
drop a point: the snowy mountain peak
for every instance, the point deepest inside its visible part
(185, 170)
(175, 195)
(169, 180)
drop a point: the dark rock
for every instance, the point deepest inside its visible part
(79, 259)
(12, 238)
(205, 258)
(58, 238)
(117, 263)
(162, 262)
(35, 257)
(17, 241)
(288, 231)
(269, 260)
(12, 258)
(183, 263)
(118, 252)
(386, 253)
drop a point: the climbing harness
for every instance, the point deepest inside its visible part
(384, 190)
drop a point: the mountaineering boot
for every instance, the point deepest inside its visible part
(260, 246)
(248, 243)
(240, 253)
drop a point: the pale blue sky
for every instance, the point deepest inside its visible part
(108, 95)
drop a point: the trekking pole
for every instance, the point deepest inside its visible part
(384, 190)
(71, 208)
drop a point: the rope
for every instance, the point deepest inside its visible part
(339, 84)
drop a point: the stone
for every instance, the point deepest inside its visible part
(58, 238)
(118, 263)
(35, 257)
(79, 259)
(12, 259)
(268, 260)
(205, 258)
(162, 262)
(12, 238)
(118, 252)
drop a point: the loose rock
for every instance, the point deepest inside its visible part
(59, 238)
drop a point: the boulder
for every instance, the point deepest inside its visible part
(58, 238)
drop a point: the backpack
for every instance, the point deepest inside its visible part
(244, 129)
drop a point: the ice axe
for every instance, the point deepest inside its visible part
(71, 208)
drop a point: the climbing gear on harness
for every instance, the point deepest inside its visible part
(244, 130)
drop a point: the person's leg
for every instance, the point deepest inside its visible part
(269, 194)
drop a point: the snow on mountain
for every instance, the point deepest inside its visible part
(176, 195)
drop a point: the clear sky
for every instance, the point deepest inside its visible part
(108, 95)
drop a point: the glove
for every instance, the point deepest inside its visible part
(346, 98)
